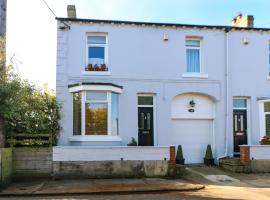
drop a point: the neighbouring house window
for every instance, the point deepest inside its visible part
(77, 103)
(193, 56)
(100, 113)
(267, 118)
(96, 49)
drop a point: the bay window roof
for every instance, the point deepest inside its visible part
(95, 86)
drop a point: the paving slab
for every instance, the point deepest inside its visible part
(98, 186)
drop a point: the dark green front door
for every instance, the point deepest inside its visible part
(145, 126)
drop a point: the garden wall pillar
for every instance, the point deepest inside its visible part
(245, 154)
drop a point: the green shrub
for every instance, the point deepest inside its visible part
(209, 154)
(179, 153)
(133, 142)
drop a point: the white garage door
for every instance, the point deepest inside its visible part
(193, 135)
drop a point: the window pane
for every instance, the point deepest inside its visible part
(96, 96)
(239, 103)
(96, 55)
(193, 60)
(114, 114)
(96, 118)
(145, 100)
(96, 40)
(267, 107)
(77, 113)
(267, 124)
(193, 43)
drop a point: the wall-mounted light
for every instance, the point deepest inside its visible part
(245, 41)
(165, 37)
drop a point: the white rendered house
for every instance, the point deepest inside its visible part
(163, 84)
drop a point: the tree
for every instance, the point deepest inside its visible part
(26, 108)
(2, 79)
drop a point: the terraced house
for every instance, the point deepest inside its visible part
(163, 84)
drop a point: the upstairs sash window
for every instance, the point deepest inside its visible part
(96, 49)
(193, 56)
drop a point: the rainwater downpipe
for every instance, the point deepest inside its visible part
(226, 95)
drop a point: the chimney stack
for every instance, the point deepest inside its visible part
(71, 11)
(243, 21)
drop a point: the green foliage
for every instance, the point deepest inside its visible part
(209, 154)
(133, 142)
(179, 153)
(27, 108)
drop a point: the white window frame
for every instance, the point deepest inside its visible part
(262, 118)
(200, 54)
(105, 54)
(154, 114)
(83, 136)
(107, 101)
(200, 74)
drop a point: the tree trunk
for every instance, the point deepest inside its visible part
(2, 132)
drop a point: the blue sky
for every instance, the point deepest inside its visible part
(31, 28)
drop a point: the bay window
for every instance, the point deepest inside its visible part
(264, 110)
(95, 113)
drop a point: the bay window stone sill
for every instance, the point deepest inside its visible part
(97, 73)
(86, 138)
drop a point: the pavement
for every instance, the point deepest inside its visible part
(200, 182)
(97, 186)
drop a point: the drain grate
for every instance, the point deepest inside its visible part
(220, 178)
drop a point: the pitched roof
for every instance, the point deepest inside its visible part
(158, 24)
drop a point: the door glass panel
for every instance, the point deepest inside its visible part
(148, 121)
(142, 121)
(242, 123)
(145, 100)
(235, 123)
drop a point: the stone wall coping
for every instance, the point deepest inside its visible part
(110, 147)
(255, 145)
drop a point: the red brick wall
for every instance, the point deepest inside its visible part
(244, 154)
(172, 155)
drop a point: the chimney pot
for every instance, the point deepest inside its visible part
(71, 11)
